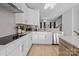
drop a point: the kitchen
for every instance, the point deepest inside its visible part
(25, 28)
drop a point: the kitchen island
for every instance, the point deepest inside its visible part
(69, 45)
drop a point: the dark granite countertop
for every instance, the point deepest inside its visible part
(7, 39)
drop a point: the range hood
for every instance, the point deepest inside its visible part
(11, 7)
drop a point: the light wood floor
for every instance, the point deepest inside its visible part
(44, 50)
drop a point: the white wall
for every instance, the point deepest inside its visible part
(7, 23)
(76, 18)
(67, 22)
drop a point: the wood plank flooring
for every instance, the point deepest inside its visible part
(44, 50)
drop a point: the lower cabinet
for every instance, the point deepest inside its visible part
(12, 49)
(14, 52)
(28, 43)
(42, 37)
(19, 47)
(3, 51)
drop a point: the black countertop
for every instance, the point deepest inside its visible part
(8, 39)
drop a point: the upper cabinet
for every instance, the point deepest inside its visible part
(21, 18)
(29, 17)
(33, 17)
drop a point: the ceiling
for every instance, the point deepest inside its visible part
(51, 13)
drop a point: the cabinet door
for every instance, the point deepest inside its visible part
(38, 37)
(2, 52)
(15, 52)
(36, 16)
(42, 38)
(48, 38)
(20, 18)
(23, 46)
(29, 42)
(35, 38)
(45, 38)
(33, 17)
(13, 49)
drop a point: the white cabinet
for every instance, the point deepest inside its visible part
(35, 37)
(21, 18)
(36, 18)
(33, 17)
(22, 49)
(42, 38)
(29, 17)
(25, 45)
(28, 43)
(48, 38)
(2, 51)
(19, 47)
(14, 52)
(13, 49)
